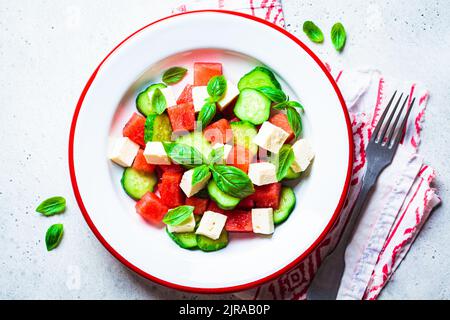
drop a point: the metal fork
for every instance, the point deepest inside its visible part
(379, 154)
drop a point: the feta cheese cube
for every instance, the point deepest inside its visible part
(199, 95)
(186, 226)
(226, 151)
(262, 220)
(123, 151)
(186, 183)
(167, 93)
(211, 225)
(230, 94)
(303, 154)
(262, 173)
(154, 153)
(270, 137)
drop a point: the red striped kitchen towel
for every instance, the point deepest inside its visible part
(401, 202)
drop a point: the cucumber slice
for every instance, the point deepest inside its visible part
(287, 204)
(136, 183)
(243, 134)
(197, 141)
(144, 99)
(252, 106)
(207, 244)
(259, 77)
(158, 128)
(291, 174)
(186, 240)
(223, 200)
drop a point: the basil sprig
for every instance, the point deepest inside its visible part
(217, 86)
(293, 116)
(183, 154)
(178, 215)
(274, 94)
(216, 155)
(285, 160)
(174, 75)
(313, 32)
(207, 113)
(53, 236)
(52, 206)
(232, 181)
(338, 36)
(200, 173)
(159, 102)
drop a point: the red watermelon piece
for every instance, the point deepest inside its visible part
(203, 71)
(151, 208)
(140, 164)
(280, 120)
(182, 117)
(170, 168)
(134, 129)
(199, 204)
(239, 221)
(246, 203)
(218, 132)
(240, 157)
(267, 196)
(212, 206)
(169, 189)
(186, 95)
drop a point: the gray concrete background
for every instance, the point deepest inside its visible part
(48, 49)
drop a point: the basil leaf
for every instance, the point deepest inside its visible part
(200, 173)
(178, 215)
(275, 95)
(217, 86)
(287, 104)
(313, 32)
(174, 75)
(207, 113)
(285, 160)
(295, 121)
(216, 155)
(159, 103)
(183, 154)
(338, 36)
(232, 181)
(53, 236)
(52, 206)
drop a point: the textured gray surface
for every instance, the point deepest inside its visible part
(48, 49)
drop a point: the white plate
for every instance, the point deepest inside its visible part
(239, 42)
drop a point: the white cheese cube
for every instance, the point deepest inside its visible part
(211, 225)
(270, 137)
(230, 94)
(226, 151)
(262, 173)
(262, 220)
(303, 154)
(186, 183)
(154, 153)
(199, 95)
(123, 151)
(186, 226)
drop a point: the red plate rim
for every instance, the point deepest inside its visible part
(240, 287)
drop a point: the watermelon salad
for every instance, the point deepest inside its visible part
(215, 159)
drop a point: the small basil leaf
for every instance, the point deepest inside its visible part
(183, 154)
(338, 36)
(207, 113)
(174, 75)
(295, 121)
(285, 160)
(275, 95)
(295, 104)
(313, 32)
(232, 181)
(216, 155)
(281, 105)
(178, 215)
(52, 206)
(159, 103)
(217, 86)
(53, 236)
(200, 173)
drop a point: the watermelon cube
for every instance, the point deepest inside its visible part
(140, 164)
(169, 189)
(280, 120)
(134, 129)
(246, 203)
(240, 157)
(218, 132)
(267, 196)
(170, 168)
(238, 221)
(186, 95)
(212, 206)
(199, 204)
(151, 208)
(182, 117)
(203, 71)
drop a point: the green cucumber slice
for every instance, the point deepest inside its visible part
(291, 174)
(243, 134)
(208, 245)
(287, 204)
(223, 200)
(158, 128)
(144, 101)
(136, 183)
(252, 106)
(186, 240)
(258, 77)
